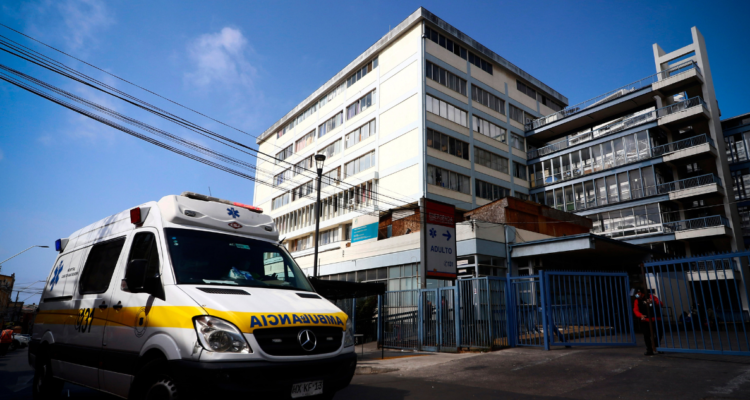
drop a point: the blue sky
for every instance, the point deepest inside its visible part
(249, 63)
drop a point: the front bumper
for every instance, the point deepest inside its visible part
(263, 379)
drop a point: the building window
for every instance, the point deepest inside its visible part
(488, 129)
(363, 132)
(362, 72)
(360, 164)
(302, 191)
(304, 141)
(448, 179)
(446, 110)
(303, 166)
(527, 90)
(332, 123)
(490, 160)
(332, 149)
(346, 231)
(741, 184)
(446, 78)
(445, 42)
(521, 196)
(284, 154)
(282, 177)
(331, 178)
(280, 201)
(487, 99)
(629, 221)
(488, 191)
(515, 113)
(329, 236)
(301, 243)
(519, 171)
(360, 105)
(331, 95)
(551, 104)
(447, 144)
(516, 141)
(479, 62)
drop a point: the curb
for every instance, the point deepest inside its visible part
(369, 370)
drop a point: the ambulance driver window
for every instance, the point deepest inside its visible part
(208, 258)
(99, 267)
(144, 248)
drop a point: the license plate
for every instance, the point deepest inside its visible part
(305, 389)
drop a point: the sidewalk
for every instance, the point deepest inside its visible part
(371, 360)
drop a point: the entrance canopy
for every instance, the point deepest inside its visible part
(338, 290)
(583, 251)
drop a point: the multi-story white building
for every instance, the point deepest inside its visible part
(424, 112)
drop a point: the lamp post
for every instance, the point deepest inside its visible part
(17, 254)
(320, 159)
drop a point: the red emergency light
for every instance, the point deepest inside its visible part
(203, 197)
(138, 215)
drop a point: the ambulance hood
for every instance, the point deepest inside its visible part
(251, 308)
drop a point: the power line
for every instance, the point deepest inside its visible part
(133, 84)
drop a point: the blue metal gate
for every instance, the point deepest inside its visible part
(703, 304)
(400, 315)
(482, 313)
(571, 309)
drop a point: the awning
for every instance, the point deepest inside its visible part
(337, 290)
(582, 251)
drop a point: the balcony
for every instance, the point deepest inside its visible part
(674, 150)
(690, 187)
(671, 113)
(665, 76)
(715, 225)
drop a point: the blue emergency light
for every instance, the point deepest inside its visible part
(58, 245)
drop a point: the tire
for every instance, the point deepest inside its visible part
(45, 386)
(155, 382)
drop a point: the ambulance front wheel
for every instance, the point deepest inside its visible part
(155, 382)
(45, 385)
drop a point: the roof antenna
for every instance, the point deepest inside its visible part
(209, 192)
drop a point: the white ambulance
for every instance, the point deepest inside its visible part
(191, 294)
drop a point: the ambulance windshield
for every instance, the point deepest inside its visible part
(208, 258)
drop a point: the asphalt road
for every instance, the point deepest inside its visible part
(603, 373)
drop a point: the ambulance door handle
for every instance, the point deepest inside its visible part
(103, 306)
(118, 306)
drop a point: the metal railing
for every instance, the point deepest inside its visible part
(696, 223)
(681, 106)
(625, 123)
(681, 145)
(617, 93)
(594, 167)
(688, 183)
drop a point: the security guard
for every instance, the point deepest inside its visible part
(647, 307)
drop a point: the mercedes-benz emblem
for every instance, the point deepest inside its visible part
(307, 340)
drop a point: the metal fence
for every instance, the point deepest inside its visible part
(702, 304)
(614, 94)
(556, 308)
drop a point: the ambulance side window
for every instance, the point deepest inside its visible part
(144, 247)
(100, 265)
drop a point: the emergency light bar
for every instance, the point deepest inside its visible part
(203, 197)
(60, 245)
(138, 215)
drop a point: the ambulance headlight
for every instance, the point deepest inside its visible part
(216, 334)
(348, 338)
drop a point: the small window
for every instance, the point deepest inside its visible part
(144, 247)
(100, 265)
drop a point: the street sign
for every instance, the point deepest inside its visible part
(439, 240)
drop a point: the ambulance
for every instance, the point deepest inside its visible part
(188, 295)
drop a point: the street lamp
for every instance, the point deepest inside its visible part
(17, 254)
(320, 159)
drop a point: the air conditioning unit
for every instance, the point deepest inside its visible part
(351, 203)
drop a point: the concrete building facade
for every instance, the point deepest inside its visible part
(646, 161)
(425, 112)
(737, 138)
(429, 112)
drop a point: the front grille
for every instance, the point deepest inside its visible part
(286, 344)
(223, 291)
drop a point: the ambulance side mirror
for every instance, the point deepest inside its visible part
(139, 280)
